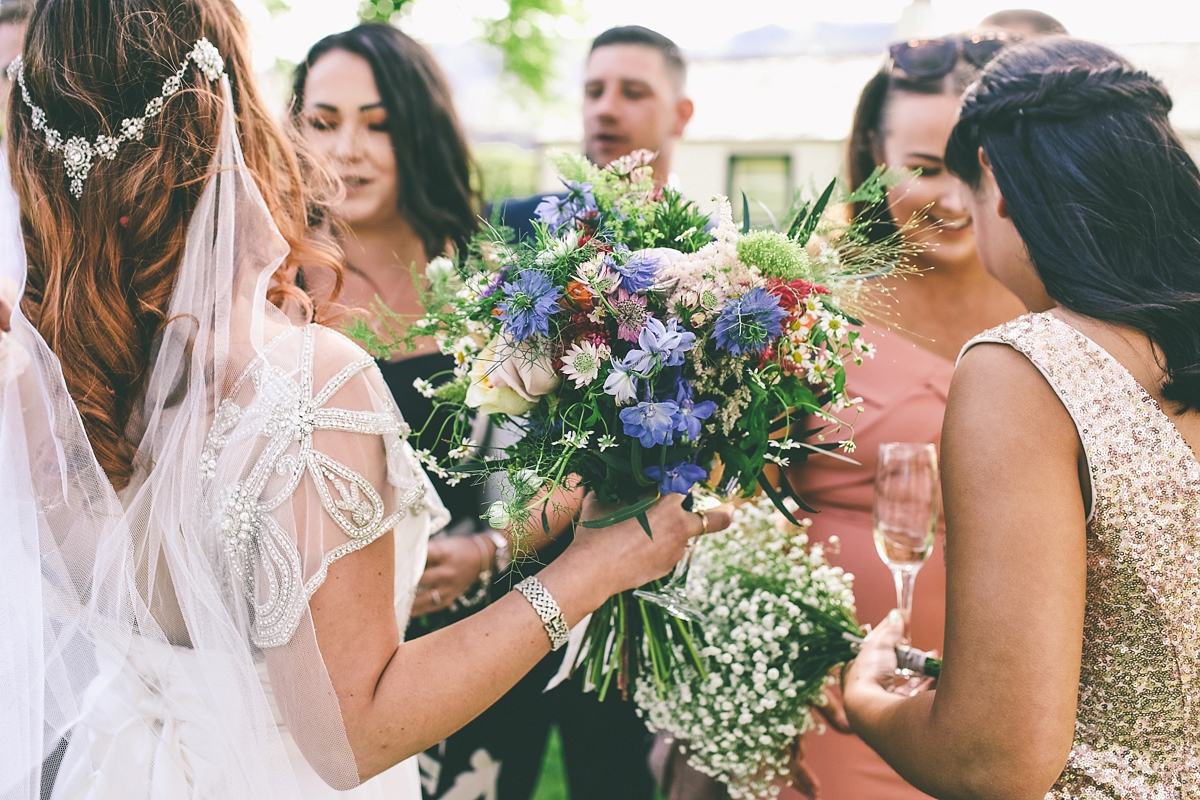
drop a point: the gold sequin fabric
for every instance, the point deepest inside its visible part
(1137, 732)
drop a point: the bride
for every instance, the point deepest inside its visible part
(1073, 593)
(213, 527)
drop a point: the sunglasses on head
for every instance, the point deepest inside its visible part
(934, 58)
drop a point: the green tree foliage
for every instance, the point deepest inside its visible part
(385, 11)
(527, 39)
(525, 36)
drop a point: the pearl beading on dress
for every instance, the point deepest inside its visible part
(78, 153)
(258, 554)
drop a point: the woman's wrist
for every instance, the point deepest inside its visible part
(577, 585)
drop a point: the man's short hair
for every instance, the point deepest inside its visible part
(636, 34)
(15, 11)
(1040, 22)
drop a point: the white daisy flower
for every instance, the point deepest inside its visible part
(582, 363)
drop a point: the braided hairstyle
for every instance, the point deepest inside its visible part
(1099, 187)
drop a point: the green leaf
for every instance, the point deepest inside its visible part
(629, 512)
(814, 216)
(777, 499)
(745, 214)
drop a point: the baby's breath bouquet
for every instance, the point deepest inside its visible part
(777, 619)
(640, 350)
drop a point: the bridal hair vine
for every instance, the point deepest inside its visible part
(77, 152)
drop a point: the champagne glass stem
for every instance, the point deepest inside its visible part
(905, 580)
(679, 575)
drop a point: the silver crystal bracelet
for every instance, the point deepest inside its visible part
(552, 616)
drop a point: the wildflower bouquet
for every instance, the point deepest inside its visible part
(778, 618)
(640, 354)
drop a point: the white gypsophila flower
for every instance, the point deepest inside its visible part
(581, 363)
(423, 387)
(753, 582)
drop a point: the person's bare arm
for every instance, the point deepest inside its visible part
(1001, 721)
(454, 563)
(398, 699)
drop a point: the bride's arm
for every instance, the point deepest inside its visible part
(1001, 722)
(398, 699)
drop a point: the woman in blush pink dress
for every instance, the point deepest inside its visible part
(903, 122)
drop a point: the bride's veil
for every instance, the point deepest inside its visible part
(137, 625)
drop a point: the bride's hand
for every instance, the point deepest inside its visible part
(626, 556)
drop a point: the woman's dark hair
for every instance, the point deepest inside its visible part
(432, 159)
(1099, 187)
(870, 124)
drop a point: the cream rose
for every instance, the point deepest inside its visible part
(508, 378)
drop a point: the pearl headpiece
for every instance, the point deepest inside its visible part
(78, 153)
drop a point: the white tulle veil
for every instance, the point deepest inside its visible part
(137, 627)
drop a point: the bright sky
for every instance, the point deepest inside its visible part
(705, 24)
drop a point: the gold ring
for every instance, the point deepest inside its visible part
(703, 521)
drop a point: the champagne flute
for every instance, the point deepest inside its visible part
(672, 596)
(905, 513)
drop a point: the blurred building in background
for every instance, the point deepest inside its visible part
(773, 110)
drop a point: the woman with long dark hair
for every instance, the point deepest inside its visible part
(903, 121)
(213, 525)
(1071, 485)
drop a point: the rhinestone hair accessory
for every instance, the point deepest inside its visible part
(78, 153)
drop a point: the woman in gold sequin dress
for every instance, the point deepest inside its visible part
(1072, 489)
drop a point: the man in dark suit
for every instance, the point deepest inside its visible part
(634, 98)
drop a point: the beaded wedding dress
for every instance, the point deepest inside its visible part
(158, 643)
(1137, 729)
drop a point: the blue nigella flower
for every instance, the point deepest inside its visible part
(528, 303)
(638, 274)
(678, 478)
(651, 423)
(620, 383)
(749, 323)
(559, 211)
(691, 413)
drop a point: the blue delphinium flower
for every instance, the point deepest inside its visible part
(638, 274)
(559, 211)
(691, 414)
(620, 383)
(678, 478)
(528, 303)
(669, 342)
(659, 345)
(651, 423)
(749, 323)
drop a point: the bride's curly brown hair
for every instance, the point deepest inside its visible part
(102, 268)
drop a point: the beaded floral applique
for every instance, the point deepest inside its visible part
(259, 556)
